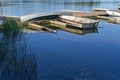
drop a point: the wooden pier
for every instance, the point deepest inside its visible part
(87, 14)
(39, 16)
(50, 15)
(95, 14)
(33, 17)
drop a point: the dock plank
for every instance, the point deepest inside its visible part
(90, 14)
(87, 14)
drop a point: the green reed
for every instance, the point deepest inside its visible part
(17, 60)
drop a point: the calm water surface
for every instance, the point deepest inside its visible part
(62, 55)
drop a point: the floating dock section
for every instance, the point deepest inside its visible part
(50, 15)
(102, 14)
(39, 16)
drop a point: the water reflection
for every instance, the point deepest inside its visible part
(56, 28)
(24, 7)
(115, 20)
(60, 57)
(77, 30)
(0, 4)
(30, 7)
(17, 60)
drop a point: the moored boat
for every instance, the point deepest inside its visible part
(118, 6)
(113, 13)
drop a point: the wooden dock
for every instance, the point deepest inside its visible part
(86, 14)
(62, 12)
(40, 27)
(72, 25)
(33, 17)
(39, 16)
(53, 15)
(72, 29)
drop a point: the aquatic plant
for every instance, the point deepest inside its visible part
(17, 60)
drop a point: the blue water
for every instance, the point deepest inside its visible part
(62, 55)
(19, 8)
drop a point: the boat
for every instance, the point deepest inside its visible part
(79, 22)
(113, 13)
(118, 6)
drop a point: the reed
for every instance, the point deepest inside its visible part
(17, 60)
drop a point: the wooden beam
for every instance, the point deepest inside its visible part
(40, 27)
(59, 23)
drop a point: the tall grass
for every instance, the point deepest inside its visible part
(17, 60)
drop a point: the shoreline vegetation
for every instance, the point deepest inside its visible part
(17, 60)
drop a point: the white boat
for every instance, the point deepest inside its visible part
(113, 13)
(79, 22)
(118, 6)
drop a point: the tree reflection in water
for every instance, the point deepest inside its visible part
(16, 61)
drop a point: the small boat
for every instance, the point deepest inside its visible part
(113, 13)
(118, 6)
(79, 22)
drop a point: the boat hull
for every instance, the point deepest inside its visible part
(112, 13)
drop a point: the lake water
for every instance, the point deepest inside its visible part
(89, 55)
